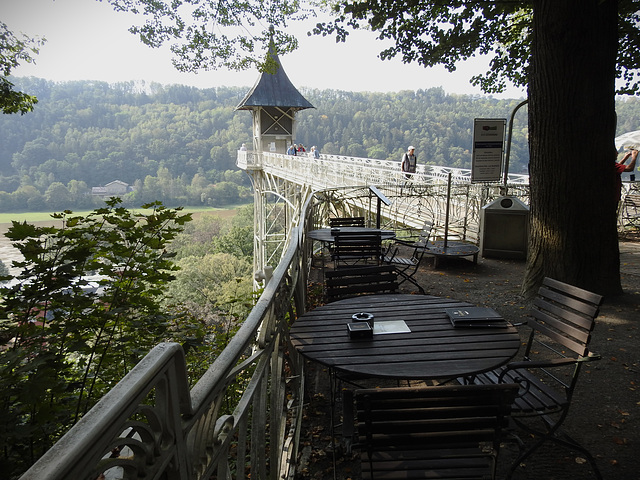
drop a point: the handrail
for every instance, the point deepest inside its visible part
(90, 440)
(329, 171)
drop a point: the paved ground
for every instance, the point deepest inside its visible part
(605, 415)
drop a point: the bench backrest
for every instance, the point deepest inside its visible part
(346, 222)
(565, 314)
(431, 431)
(431, 417)
(345, 283)
(357, 247)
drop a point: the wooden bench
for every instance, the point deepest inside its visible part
(345, 283)
(428, 432)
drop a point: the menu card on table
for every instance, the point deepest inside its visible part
(390, 326)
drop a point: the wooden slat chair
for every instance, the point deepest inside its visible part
(429, 432)
(345, 283)
(558, 346)
(407, 266)
(337, 222)
(423, 236)
(356, 248)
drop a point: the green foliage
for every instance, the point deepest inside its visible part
(85, 308)
(13, 51)
(238, 241)
(214, 287)
(215, 278)
(198, 235)
(214, 283)
(175, 144)
(440, 126)
(215, 258)
(209, 234)
(198, 46)
(629, 47)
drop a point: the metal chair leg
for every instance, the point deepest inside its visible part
(567, 442)
(411, 280)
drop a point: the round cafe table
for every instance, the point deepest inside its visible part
(432, 348)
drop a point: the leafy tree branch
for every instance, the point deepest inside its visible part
(13, 51)
(84, 309)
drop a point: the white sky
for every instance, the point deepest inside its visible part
(87, 40)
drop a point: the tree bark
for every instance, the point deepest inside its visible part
(572, 129)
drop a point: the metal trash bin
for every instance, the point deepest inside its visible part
(504, 229)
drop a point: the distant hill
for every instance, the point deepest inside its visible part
(178, 143)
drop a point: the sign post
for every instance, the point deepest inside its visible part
(488, 149)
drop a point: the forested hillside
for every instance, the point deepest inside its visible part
(178, 144)
(383, 125)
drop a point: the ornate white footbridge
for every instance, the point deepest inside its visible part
(348, 186)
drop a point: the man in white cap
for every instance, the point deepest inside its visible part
(409, 161)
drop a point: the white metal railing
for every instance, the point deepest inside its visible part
(330, 171)
(410, 196)
(420, 198)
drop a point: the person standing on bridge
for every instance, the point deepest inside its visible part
(409, 161)
(621, 167)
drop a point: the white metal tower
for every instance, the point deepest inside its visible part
(273, 102)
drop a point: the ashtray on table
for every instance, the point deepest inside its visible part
(363, 317)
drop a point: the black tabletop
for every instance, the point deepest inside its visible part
(324, 234)
(433, 349)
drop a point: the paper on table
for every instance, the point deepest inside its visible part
(390, 326)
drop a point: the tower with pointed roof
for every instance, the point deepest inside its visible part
(274, 102)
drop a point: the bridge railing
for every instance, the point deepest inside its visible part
(330, 171)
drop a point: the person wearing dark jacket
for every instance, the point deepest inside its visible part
(409, 161)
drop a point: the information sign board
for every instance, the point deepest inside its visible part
(488, 149)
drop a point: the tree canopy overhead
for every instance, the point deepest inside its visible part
(444, 32)
(236, 34)
(13, 51)
(207, 34)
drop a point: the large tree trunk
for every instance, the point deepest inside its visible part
(572, 130)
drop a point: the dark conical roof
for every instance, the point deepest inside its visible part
(274, 90)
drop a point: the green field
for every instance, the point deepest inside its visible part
(32, 217)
